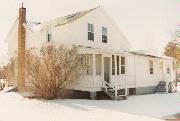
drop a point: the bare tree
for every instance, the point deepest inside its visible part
(52, 70)
(8, 71)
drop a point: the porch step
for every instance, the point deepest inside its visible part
(161, 87)
(111, 94)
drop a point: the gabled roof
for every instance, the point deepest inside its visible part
(73, 17)
(37, 26)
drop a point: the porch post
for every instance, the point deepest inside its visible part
(93, 93)
(126, 75)
(94, 64)
(110, 69)
(102, 67)
(167, 82)
(115, 63)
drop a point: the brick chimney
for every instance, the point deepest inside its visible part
(21, 49)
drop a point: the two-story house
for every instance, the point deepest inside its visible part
(112, 67)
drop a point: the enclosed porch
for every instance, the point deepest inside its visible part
(106, 71)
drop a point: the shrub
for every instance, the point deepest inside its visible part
(51, 70)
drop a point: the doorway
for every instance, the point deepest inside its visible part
(106, 69)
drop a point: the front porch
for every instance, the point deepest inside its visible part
(106, 71)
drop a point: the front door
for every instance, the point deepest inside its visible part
(106, 69)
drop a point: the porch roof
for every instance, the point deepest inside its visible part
(152, 54)
(90, 50)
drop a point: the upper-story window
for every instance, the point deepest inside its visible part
(90, 32)
(104, 34)
(49, 34)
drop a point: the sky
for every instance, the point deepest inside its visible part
(147, 24)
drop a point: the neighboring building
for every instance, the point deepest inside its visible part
(112, 67)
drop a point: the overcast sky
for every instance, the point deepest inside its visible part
(146, 23)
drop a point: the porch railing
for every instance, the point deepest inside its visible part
(108, 87)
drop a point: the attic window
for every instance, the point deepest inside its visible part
(104, 34)
(90, 32)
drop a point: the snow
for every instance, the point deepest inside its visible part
(14, 107)
(178, 87)
(34, 26)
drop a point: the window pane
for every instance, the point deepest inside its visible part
(49, 37)
(90, 36)
(117, 65)
(151, 70)
(89, 27)
(90, 32)
(151, 67)
(113, 65)
(92, 28)
(168, 70)
(122, 60)
(174, 65)
(123, 70)
(104, 39)
(104, 31)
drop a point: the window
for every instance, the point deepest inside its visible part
(161, 65)
(113, 65)
(84, 61)
(117, 65)
(123, 69)
(104, 35)
(49, 36)
(174, 65)
(151, 67)
(168, 70)
(90, 32)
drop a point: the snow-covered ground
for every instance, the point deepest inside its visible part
(14, 107)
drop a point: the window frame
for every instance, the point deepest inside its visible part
(117, 60)
(90, 32)
(49, 33)
(168, 70)
(123, 65)
(49, 38)
(151, 67)
(174, 65)
(104, 35)
(113, 65)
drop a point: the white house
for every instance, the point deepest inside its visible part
(112, 67)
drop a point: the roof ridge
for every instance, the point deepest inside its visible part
(79, 12)
(73, 17)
